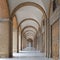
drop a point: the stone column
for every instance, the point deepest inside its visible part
(18, 40)
(45, 38)
(14, 40)
(35, 42)
(59, 37)
(21, 41)
(5, 31)
(40, 38)
(48, 39)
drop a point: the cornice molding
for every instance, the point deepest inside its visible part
(5, 20)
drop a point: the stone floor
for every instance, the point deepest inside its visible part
(25, 55)
(26, 58)
(28, 54)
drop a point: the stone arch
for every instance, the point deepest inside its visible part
(27, 31)
(29, 4)
(28, 27)
(29, 19)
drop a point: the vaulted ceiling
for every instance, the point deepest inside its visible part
(29, 14)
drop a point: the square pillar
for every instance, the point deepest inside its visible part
(5, 38)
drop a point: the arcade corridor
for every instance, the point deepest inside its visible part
(29, 29)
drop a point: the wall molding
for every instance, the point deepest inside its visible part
(5, 20)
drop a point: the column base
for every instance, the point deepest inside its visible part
(6, 56)
(17, 51)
